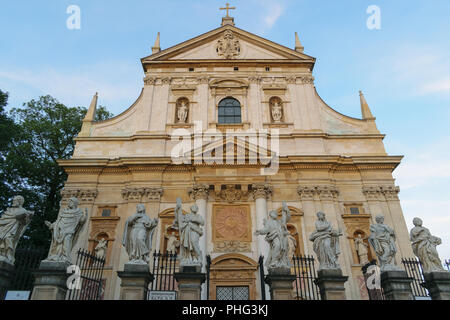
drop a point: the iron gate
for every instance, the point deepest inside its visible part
(89, 285)
(414, 270)
(164, 267)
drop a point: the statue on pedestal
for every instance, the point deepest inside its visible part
(182, 112)
(65, 231)
(100, 249)
(382, 239)
(277, 112)
(190, 229)
(138, 236)
(424, 247)
(326, 243)
(13, 223)
(362, 250)
(172, 243)
(276, 234)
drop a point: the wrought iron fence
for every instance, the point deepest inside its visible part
(89, 285)
(375, 292)
(164, 267)
(305, 274)
(27, 261)
(447, 264)
(414, 270)
(208, 274)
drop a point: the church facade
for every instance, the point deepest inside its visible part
(232, 122)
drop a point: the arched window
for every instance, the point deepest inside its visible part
(229, 111)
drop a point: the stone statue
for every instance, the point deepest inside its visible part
(13, 223)
(382, 239)
(276, 234)
(172, 243)
(326, 243)
(292, 245)
(424, 247)
(190, 230)
(100, 249)
(182, 112)
(362, 250)
(277, 112)
(65, 231)
(138, 236)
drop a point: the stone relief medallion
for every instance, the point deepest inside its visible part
(232, 228)
(228, 46)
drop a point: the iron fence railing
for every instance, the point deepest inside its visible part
(414, 270)
(164, 267)
(89, 284)
(305, 274)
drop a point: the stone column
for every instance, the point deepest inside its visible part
(331, 284)
(438, 284)
(190, 281)
(50, 281)
(396, 285)
(261, 192)
(135, 280)
(254, 106)
(200, 194)
(6, 275)
(280, 284)
(307, 198)
(203, 101)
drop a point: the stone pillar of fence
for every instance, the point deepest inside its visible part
(135, 280)
(6, 276)
(280, 282)
(331, 284)
(190, 280)
(396, 285)
(50, 281)
(438, 285)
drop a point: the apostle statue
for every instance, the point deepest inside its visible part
(424, 247)
(277, 112)
(100, 249)
(182, 112)
(172, 243)
(326, 243)
(138, 236)
(190, 229)
(362, 250)
(292, 244)
(382, 239)
(276, 234)
(13, 223)
(65, 231)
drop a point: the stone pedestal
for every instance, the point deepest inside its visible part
(331, 284)
(280, 282)
(438, 285)
(135, 280)
(6, 276)
(50, 281)
(190, 280)
(396, 285)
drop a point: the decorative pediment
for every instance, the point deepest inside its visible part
(231, 150)
(228, 43)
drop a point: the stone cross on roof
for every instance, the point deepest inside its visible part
(228, 8)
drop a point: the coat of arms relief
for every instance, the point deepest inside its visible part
(228, 46)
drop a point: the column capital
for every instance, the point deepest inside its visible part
(199, 191)
(261, 190)
(325, 192)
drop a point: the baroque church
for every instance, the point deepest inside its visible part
(232, 122)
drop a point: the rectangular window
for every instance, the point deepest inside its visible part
(232, 293)
(106, 213)
(191, 69)
(354, 210)
(236, 68)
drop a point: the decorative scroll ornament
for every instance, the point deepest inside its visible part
(228, 46)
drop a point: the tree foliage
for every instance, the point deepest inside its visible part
(44, 130)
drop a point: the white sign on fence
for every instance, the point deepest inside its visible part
(17, 295)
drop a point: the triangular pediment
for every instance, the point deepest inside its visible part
(228, 43)
(231, 150)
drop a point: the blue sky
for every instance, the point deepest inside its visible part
(403, 68)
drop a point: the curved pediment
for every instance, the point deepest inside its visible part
(228, 83)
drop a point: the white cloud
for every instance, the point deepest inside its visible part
(76, 87)
(436, 86)
(274, 12)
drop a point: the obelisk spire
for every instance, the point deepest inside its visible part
(298, 44)
(365, 110)
(157, 47)
(89, 118)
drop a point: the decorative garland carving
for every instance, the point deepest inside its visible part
(142, 194)
(86, 196)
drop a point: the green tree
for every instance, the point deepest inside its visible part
(45, 133)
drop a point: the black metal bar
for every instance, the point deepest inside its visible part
(261, 274)
(208, 269)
